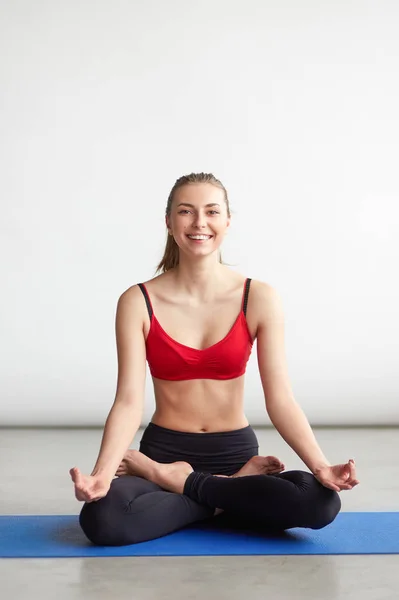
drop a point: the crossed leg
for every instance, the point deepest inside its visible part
(282, 500)
(135, 463)
(161, 498)
(136, 510)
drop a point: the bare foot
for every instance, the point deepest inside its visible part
(127, 465)
(261, 465)
(135, 462)
(171, 476)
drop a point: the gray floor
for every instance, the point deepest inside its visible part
(34, 467)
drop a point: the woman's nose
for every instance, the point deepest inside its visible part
(200, 220)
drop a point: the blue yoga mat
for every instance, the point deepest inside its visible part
(60, 536)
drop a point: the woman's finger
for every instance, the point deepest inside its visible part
(353, 482)
(352, 468)
(346, 486)
(77, 478)
(74, 473)
(331, 486)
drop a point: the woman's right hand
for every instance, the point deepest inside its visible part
(89, 488)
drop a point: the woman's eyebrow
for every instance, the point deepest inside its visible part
(192, 205)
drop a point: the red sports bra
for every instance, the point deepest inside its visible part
(227, 359)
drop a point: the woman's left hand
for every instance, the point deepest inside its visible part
(338, 477)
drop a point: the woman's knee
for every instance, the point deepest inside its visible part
(134, 510)
(100, 523)
(318, 505)
(325, 507)
(104, 521)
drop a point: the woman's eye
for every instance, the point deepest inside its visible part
(186, 211)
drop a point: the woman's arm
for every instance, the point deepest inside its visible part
(120, 428)
(283, 410)
(124, 418)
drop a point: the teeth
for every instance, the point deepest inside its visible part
(199, 237)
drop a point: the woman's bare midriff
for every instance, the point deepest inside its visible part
(200, 405)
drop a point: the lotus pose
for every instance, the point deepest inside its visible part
(195, 324)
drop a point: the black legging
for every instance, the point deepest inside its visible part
(136, 510)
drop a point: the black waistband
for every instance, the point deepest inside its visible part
(222, 452)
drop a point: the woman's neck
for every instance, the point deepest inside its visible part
(199, 281)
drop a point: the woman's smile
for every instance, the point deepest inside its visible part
(200, 238)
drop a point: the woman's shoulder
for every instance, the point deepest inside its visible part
(261, 287)
(266, 301)
(134, 289)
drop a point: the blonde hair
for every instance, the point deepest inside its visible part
(170, 257)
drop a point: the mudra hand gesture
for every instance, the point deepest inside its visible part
(89, 488)
(338, 477)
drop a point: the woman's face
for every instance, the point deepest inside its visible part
(198, 209)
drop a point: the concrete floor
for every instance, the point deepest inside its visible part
(34, 471)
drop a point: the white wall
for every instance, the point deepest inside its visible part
(293, 105)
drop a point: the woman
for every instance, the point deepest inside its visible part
(195, 325)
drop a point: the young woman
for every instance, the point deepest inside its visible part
(195, 324)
